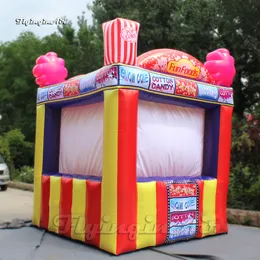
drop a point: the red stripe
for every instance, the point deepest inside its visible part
(65, 207)
(119, 39)
(113, 25)
(104, 40)
(106, 46)
(44, 221)
(225, 132)
(201, 189)
(126, 181)
(109, 37)
(93, 213)
(136, 44)
(126, 50)
(162, 213)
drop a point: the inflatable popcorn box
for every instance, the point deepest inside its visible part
(120, 41)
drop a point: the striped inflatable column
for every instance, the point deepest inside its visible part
(38, 165)
(119, 190)
(225, 133)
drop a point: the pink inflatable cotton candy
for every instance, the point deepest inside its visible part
(221, 65)
(49, 69)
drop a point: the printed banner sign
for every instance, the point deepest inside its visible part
(107, 77)
(207, 92)
(133, 77)
(56, 92)
(183, 190)
(185, 232)
(71, 88)
(88, 83)
(183, 204)
(186, 88)
(162, 83)
(182, 210)
(42, 95)
(184, 218)
(226, 96)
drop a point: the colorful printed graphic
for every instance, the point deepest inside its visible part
(107, 77)
(183, 67)
(225, 96)
(186, 88)
(183, 204)
(182, 190)
(181, 219)
(129, 34)
(162, 83)
(71, 88)
(88, 83)
(207, 92)
(56, 92)
(182, 210)
(133, 77)
(42, 95)
(179, 233)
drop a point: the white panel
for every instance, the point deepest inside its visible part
(170, 140)
(81, 140)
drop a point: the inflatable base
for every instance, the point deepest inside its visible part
(166, 210)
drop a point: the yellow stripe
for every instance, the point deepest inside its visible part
(54, 204)
(146, 215)
(39, 140)
(109, 178)
(209, 208)
(78, 210)
(136, 88)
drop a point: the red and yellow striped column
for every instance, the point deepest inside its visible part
(119, 188)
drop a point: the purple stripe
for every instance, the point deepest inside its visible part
(139, 179)
(51, 139)
(211, 139)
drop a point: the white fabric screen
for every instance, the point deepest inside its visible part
(170, 140)
(81, 140)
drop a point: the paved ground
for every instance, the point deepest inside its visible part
(29, 243)
(15, 204)
(242, 243)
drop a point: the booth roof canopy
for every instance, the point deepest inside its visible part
(122, 76)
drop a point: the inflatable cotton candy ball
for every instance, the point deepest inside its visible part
(49, 69)
(221, 65)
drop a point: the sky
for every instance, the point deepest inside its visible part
(15, 14)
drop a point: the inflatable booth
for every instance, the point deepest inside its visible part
(137, 153)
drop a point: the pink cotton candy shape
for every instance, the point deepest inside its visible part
(49, 69)
(221, 66)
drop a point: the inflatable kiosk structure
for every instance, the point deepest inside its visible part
(137, 153)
